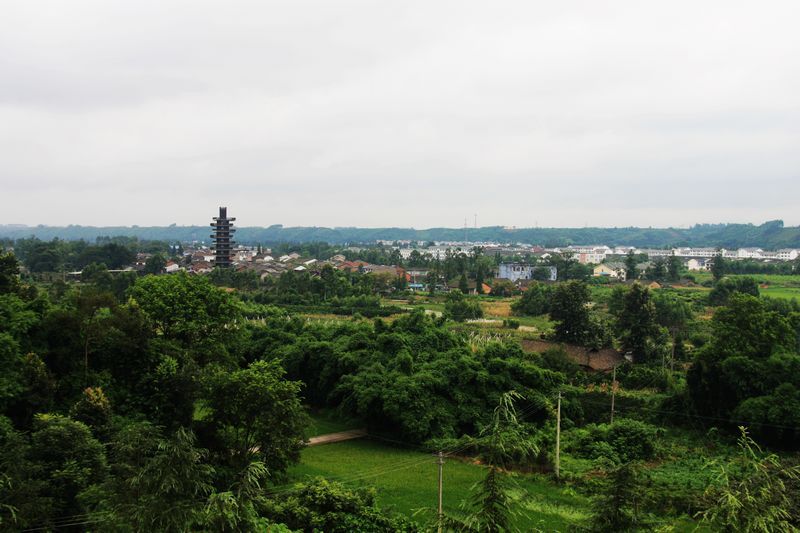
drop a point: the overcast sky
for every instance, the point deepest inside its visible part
(378, 113)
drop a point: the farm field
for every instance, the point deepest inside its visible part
(406, 481)
(772, 285)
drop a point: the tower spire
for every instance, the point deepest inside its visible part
(222, 238)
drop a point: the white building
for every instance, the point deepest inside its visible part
(749, 253)
(787, 254)
(694, 264)
(520, 271)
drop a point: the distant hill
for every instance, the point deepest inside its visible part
(770, 235)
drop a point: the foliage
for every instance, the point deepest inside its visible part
(569, 308)
(93, 409)
(636, 323)
(750, 492)
(500, 444)
(748, 341)
(623, 441)
(413, 377)
(186, 308)
(72, 458)
(617, 506)
(256, 415)
(162, 485)
(534, 301)
(459, 308)
(9, 273)
(322, 505)
(725, 287)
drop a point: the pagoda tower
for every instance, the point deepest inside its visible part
(222, 237)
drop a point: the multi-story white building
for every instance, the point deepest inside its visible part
(787, 254)
(749, 253)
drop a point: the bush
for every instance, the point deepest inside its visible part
(459, 308)
(534, 301)
(633, 376)
(511, 323)
(322, 505)
(623, 441)
(725, 287)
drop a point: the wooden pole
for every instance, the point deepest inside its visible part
(558, 437)
(441, 464)
(613, 391)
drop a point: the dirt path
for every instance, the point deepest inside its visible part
(337, 437)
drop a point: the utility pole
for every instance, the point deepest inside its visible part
(440, 462)
(613, 391)
(558, 437)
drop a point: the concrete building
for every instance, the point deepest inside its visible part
(522, 271)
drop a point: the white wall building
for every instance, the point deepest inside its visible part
(520, 271)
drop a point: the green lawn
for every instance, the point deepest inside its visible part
(781, 292)
(406, 480)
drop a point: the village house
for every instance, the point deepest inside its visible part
(610, 270)
(697, 264)
(472, 286)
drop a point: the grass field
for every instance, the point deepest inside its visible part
(772, 285)
(406, 480)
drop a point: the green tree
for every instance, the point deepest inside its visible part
(9, 273)
(501, 443)
(725, 287)
(460, 308)
(166, 490)
(569, 308)
(322, 505)
(719, 266)
(748, 368)
(534, 301)
(155, 264)
(186, 308)
(257, 415)
(237, 509)
(636, 322)
(674, 268)
(657, 270)
(72, 457)
(463, 285)
(97, 274)
(617, 506)
(751, 492)
(630, 265)
(94, 410)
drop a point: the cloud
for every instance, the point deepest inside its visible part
(407, 114)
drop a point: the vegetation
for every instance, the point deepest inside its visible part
(771, 235)
(164, 402)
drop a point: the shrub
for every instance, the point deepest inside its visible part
(534, 301)
(624, 441)
(459, 308)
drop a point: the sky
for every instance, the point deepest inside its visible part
(412, 114)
